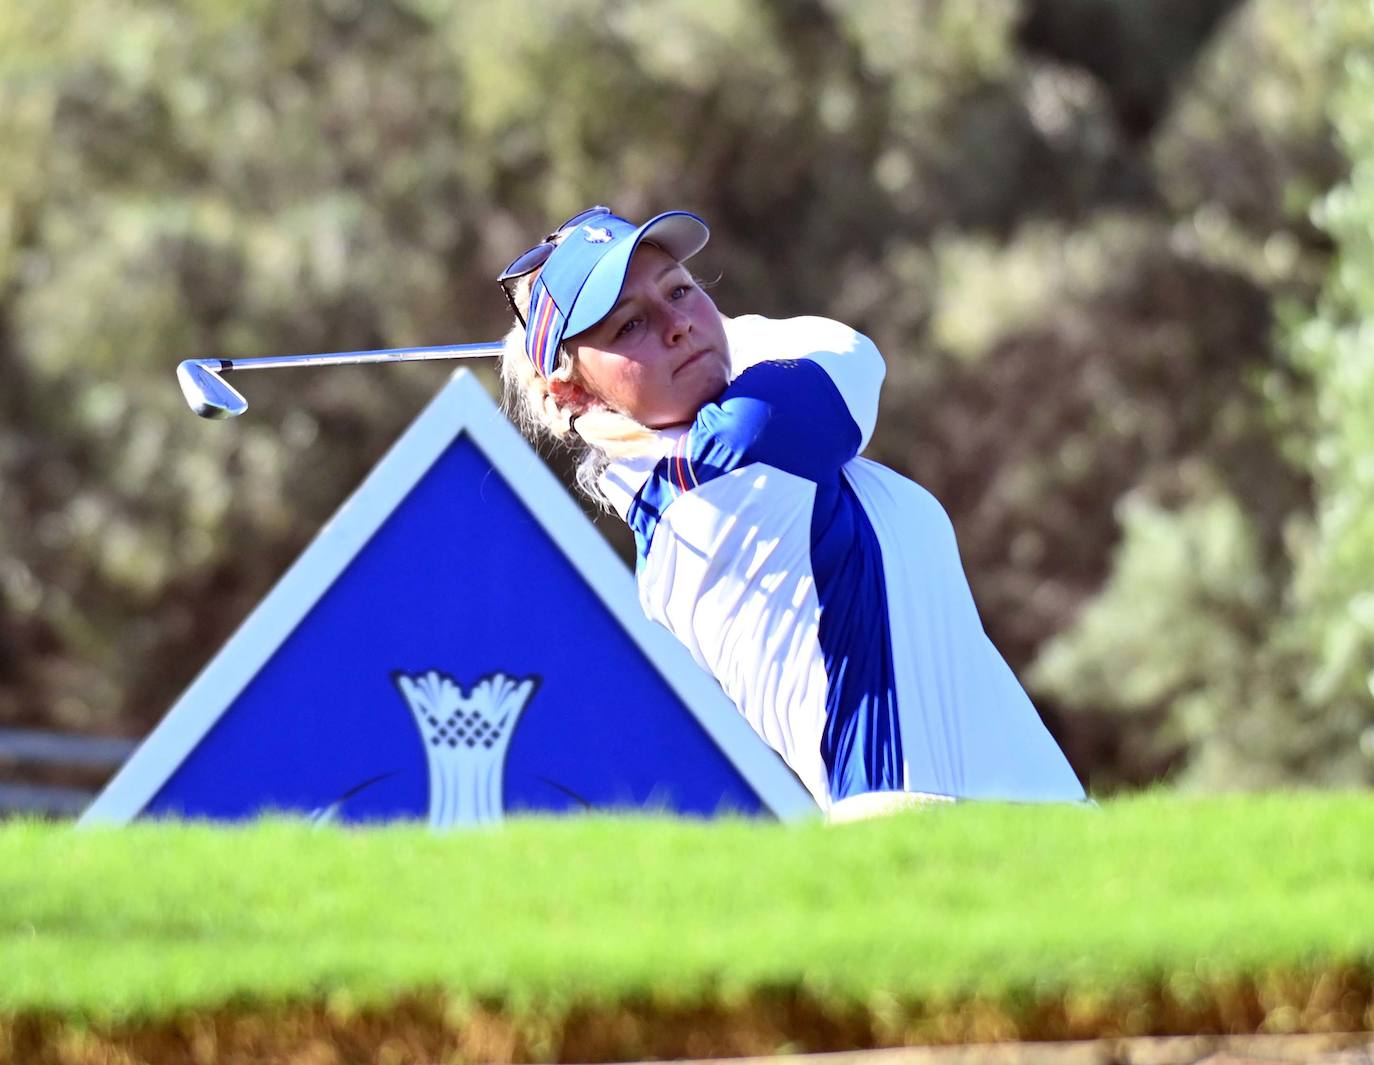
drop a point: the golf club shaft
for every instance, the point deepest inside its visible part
(210, 396)
(353, 358)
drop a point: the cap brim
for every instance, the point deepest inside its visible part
(679, 233)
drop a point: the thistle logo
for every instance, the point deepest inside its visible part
(466, 739)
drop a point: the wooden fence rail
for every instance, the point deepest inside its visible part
(27, 750)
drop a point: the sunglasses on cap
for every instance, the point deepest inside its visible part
(532, 260)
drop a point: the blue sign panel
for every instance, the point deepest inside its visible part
(458, 645)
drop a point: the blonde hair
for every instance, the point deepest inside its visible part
(600, 434)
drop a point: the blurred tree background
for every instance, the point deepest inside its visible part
(1117, 252)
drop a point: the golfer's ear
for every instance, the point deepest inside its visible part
(569, 394)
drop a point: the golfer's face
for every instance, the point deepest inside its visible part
(661, 353)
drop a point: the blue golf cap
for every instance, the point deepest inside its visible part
(582, 278)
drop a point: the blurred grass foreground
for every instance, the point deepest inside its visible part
(601, 939)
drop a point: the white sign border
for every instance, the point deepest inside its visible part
(461, 406)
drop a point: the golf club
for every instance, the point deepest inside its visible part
(210, 396)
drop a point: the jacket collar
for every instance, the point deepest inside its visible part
(623, 478)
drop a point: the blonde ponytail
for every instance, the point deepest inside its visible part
(599, 435)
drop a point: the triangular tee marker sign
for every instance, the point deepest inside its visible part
(457, 645)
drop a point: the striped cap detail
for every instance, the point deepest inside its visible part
(544, 332)
(581, 280)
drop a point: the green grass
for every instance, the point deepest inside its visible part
(994, 901)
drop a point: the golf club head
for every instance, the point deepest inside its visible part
(208, 394)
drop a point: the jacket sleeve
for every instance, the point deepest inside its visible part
(805, 398)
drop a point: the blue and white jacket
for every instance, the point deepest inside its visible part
(824, 591)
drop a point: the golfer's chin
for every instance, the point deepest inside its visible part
(689, 396)
(676, 418)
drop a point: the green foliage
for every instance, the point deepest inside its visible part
(184, 190)
(1247, 147)
(1335, 581)
(1180, 644)
(1248, 666)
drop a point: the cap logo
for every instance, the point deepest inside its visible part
(596, 234)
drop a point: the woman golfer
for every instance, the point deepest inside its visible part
(822, 590)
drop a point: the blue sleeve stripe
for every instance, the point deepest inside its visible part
(789, 414)
(862, 742)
